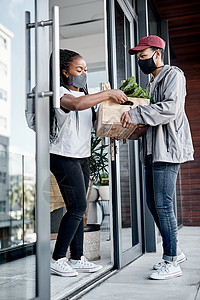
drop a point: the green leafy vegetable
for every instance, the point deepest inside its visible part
(132, 89)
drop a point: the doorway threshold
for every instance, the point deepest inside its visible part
(77, 286)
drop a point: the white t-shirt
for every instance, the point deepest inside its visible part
(74, 137)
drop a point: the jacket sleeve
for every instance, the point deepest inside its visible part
(172, 102)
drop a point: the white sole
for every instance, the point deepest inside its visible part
(165, 277)
(88, 270)
(54, 272)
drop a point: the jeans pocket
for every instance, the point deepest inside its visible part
(175, 168)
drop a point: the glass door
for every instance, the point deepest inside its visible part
(24, 161)
(17, 161)
(125, 161)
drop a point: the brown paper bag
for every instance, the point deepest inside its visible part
(138, 132)
(108, 119)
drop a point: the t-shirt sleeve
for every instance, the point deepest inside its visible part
(63, 91)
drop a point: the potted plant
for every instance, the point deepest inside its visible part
(98, 162)
(98, 165)
(103, 184)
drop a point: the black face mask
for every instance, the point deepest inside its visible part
(147, 65)
(79, 81)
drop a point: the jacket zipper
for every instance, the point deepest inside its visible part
(167, 138)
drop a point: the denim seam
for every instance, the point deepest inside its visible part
(167, 215)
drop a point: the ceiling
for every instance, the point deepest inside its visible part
(80, 17)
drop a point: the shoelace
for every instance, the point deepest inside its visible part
(64, 264)
(161, 264)
(164, 268)
(85, 262)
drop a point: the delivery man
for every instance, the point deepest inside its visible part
(166, 144)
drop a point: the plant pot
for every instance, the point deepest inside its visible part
(104, 192)
(91, 245)
(92, 210)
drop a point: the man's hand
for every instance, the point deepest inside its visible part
(126, 120)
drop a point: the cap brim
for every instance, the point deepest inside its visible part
(136, 49)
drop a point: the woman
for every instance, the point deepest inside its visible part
(69, 160)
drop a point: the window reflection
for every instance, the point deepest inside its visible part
(17, 200)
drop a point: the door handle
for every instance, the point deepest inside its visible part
(27, 58)
(55, 58)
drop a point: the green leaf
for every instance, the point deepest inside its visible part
(132, 89)
(99, 157)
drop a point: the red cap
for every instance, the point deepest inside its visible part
(146, 42)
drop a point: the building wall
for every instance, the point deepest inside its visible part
(5, 69)
(184, 36)
(5, 75)
(190, 172)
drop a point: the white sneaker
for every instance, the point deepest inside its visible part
(180, 258)
(62, 268)
(167, 271)
(83, 265)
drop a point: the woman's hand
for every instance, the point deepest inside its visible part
(117, 95)
(126, 120)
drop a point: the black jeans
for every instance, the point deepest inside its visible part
(72, 175)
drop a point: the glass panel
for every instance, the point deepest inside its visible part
(95, 77)
(29, 200)
(82, 30)
(134, 208)
(120, 44)
(128, 45)
(153, 23)
(17, 225)
(125, 197)
(17, 159)
(127, 182)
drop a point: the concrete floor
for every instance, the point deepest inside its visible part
(18, 277)
(132, 283)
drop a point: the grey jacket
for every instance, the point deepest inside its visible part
(171, 136)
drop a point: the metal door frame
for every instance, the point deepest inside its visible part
(121, 258)
(41, 96)
(42, 148)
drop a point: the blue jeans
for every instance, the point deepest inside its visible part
(72, 175)
(160, 189)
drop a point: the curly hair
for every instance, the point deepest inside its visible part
(66, 56)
